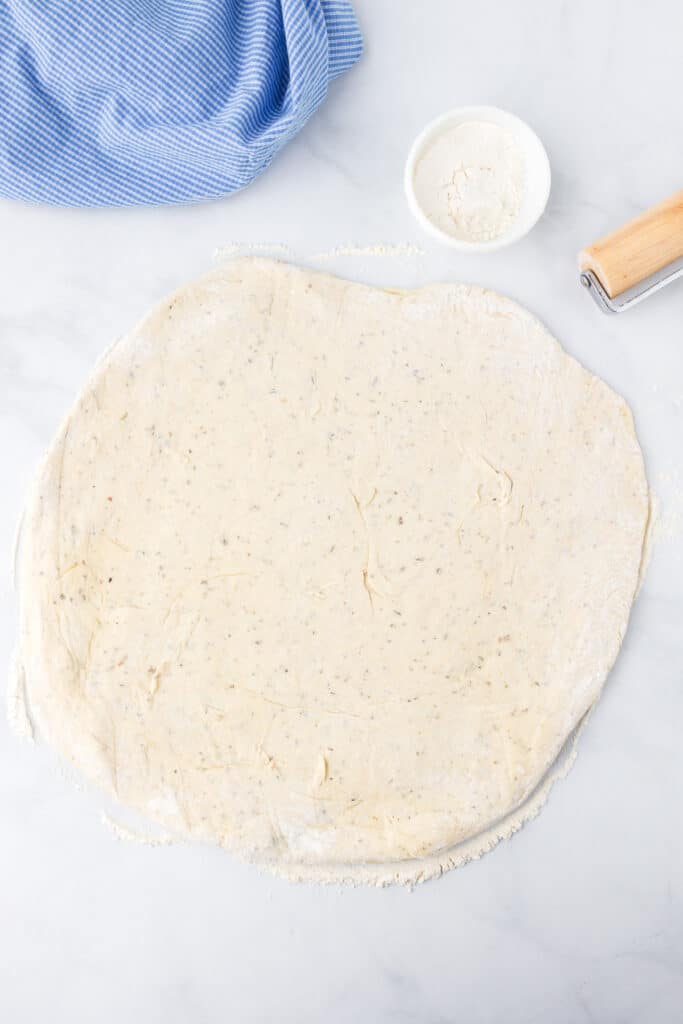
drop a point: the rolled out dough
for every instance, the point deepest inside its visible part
(328, 574)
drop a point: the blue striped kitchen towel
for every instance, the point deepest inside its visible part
(118, 102)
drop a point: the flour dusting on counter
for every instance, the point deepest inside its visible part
(231, 249)
(397, 250)
(129, 835)
(17, 708)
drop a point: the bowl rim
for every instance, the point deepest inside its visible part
(495, 115)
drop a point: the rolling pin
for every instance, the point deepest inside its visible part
(637, 259)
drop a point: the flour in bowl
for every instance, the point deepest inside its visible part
(470, 182)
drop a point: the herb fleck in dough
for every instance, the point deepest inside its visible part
(328, 574)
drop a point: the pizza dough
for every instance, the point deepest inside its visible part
(328, 574)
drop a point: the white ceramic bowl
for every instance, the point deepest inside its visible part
(537, 175)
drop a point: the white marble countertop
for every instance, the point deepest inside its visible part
(580, 916)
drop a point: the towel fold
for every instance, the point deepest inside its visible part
(159, 101)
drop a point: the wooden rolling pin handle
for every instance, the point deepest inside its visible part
(640, 248)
